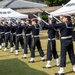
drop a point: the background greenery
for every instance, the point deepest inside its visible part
(52, 2)
(55, 2)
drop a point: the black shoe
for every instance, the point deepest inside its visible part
(24, 57)
(59, 74)
(74, 71)
(57, 65)
(31, 61)
(16, 54)
(11, 52)
(46, 67)
(44, 60)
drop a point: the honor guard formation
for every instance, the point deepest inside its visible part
(26, 32)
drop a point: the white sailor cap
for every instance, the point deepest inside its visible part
(66, 15)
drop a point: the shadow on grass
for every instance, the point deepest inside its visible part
(69, 72)
(17, 67)
(68, 62)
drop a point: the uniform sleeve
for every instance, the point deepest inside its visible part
(48, 26)
(42, 24)
(37, 26)
(59, 25)
(3, 27)
(24, 27)
(29, 27)
(13, 26)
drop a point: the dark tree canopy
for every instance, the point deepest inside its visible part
(56, 2)
(52, 2)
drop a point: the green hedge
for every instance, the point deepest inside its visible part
(44, 16)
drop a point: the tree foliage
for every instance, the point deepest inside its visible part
(55, 2)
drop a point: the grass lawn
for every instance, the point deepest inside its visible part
(15, 65)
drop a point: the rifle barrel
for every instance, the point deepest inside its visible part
(41, 19)
(50, 14)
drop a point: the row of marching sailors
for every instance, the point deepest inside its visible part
(66, 41)
(10, 32)
(66, 29)
(13, 34)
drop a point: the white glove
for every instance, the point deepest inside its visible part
(50, 16)
(9, 21)
(22, 22)
(39, 18)
(17, 21)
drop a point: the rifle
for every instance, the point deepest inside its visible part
(46, 12)
(41, 19)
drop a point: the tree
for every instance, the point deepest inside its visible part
(55, 2)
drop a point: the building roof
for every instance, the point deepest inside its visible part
(37, 10)
(4, 3)
(15, 4)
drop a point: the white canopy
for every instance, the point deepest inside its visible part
(69, 8)
(9, 13)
